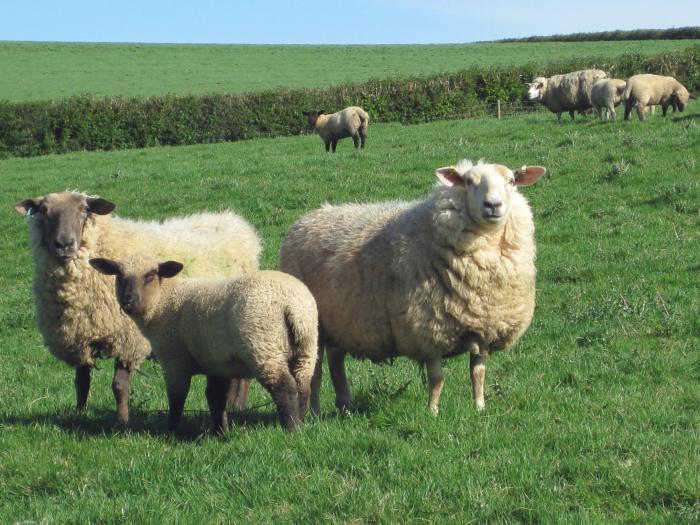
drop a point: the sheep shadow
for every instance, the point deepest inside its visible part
(194, 426)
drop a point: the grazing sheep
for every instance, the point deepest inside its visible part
(428, 279)
(568, 92)
(349, 122)
(261, 324)
(651, 90)
(76, 311)
(606, 95)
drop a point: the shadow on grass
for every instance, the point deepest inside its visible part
(195, 424)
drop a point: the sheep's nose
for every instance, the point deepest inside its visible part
(493, 205)
(63, 243)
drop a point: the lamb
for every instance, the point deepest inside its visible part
(77, 314)
(606, 95)
(261, 324)
(349, 122)
(650, 90)
(428, 279)
(568, 92)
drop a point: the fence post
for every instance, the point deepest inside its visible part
(498, 107)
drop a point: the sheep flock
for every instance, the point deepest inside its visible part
(452, 273)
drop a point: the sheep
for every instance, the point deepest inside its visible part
(606, 95)
(261, 324)
(427, 279)
(567, 92)
(349, 122)
(650, 90)
(76, 312)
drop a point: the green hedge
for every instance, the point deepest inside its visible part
(676, 33)
(86, 123)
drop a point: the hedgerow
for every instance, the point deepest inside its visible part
(88, 123)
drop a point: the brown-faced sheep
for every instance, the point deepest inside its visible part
(261, 324)
(349, 122)
(76, 311)
(651, 90)
(428, 279)
(568, 92)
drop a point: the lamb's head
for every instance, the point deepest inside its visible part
(536, 88)
(61, 218)
(487, 188)
(680, 98)
(139, 281)
(312, 116)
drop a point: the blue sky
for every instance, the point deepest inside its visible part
(328, 22)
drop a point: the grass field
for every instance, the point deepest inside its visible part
(592, 418)
(46, 71)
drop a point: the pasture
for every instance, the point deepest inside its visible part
(592, 418)
(49, 71)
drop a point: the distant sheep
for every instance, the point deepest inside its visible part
(650, 90)
(260, 324)
(568, 92)
(349, 122)
(428, 279)
(606, 95)
(76, 310)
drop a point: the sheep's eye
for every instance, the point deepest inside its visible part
(149, 277)
(511, 182)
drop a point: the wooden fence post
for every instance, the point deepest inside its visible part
(498, 107)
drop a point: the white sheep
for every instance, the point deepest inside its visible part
(76, 311)
(567, 92)
(261, 324)
(651, 90)
(428, 279)
(606, 95)
(349, 122)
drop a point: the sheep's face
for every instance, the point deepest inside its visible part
(312, 116)
(535, 88)
(488, 188)
(61, 218)
(680, 98)
(138, 283)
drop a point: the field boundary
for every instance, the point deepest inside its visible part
(88, 123)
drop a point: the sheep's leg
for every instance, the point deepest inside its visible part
(284, 392)
(316, 381)
(640, 111)
(356, 140)
(82, 385)
(628, 108)
(121, 382)
(237, 395)
(611, 113)
(216, 391)
(559, 117)
(435, 382)
(336, 367)
(177, 385)
(363, 136)
(477, 368)
(334, 143)
(664, 109)
(328, 146)
(571, 114)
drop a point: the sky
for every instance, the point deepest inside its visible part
(328, 22)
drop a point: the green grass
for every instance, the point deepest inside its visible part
(47, 71)
(592, 418)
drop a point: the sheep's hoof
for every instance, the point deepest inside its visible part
(434, 410)
(480, 405)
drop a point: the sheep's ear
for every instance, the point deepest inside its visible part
(27, 206)
(169, 269)
(106, 266)
(449, 176)
(528, 175)
(100, 206)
